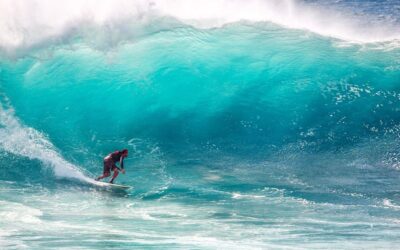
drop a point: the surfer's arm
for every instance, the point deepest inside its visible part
(121, 164)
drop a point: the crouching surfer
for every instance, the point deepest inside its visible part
(109, 164)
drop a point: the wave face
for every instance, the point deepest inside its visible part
(259, 126)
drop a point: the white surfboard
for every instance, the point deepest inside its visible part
(111, 186)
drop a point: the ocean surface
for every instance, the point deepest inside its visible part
(249, 124)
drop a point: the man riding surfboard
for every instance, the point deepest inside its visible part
(109, 164)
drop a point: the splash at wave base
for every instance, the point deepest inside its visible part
(245, 134)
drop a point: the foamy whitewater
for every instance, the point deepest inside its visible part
(249, 124)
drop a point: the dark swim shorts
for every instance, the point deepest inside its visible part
(108, 166)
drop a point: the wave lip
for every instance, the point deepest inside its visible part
(331, 22)
(26, 23)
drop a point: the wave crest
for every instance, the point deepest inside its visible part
(26, 23)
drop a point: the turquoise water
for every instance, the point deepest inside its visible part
(249, 135)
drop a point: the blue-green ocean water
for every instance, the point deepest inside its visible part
(250, 135)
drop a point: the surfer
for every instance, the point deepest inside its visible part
(109, 164)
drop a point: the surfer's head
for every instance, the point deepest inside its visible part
(124, 152)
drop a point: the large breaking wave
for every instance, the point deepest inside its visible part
(275, 117)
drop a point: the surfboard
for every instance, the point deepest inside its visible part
(111, 186)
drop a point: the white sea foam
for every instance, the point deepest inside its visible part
(388, 203)
(248, 196)
(28, 142)
(25, 23)
(16, 212)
